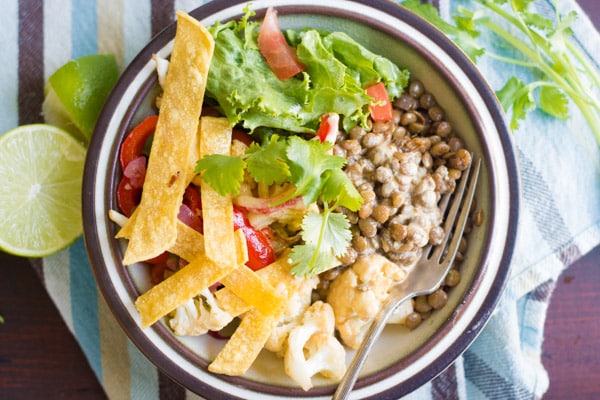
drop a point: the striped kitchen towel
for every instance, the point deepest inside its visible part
(559, 160)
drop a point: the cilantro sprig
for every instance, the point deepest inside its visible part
(541, 45)
(316, 175)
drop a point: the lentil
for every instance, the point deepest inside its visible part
(413, 320)
(437, 299)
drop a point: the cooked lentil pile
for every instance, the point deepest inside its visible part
(402, 168)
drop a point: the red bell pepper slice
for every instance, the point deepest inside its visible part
(260, 250)
(134, 143)
(381, 109)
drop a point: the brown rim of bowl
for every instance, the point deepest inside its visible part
(177, 373)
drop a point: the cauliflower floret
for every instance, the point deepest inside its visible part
(199, 315)
(312, 347)
(295, 307)
(357, 294)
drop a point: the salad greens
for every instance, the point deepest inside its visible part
(541, 45)
(337, 71)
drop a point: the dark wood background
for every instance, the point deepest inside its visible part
(39, 358)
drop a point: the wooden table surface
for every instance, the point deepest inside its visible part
(40, 359)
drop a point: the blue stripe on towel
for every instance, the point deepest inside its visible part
(84, 28)
(84, 306)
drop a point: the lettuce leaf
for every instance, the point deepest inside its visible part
(337, 71)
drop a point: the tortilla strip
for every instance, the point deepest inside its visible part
(246, 288)
(168, 172)
(250, 337)
(189, 244)
(246, 343)
(242, 283)
(178, 288)
(253, 290)
(217, 210)
(276, 274)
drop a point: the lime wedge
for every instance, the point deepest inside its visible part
(41, 170)
(82, 86)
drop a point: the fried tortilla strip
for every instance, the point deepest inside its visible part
(178, 288)
(243, 283)
(276, 274)
(246, 342)
(191, 279)
(251, 335)
(168, 174)
(189, 244)
(253, 290)
(217, 210)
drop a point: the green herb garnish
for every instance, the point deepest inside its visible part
(541, 45)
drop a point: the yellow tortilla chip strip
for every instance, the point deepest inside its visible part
(231, 303)
(251, 335)
(217, 210)
(253, 290)
(189, 244)
(276, 275)
(178, 288)
(246, 343)
(243, 283)
(169, 164)
(127, 228)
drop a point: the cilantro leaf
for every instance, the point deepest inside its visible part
(542, 46)
(516, 95)
(326, 236)
(330, 228)
(309, 159)
(554, 102)
(308, 261)
(464, 38)
(268, 163)
(338, 188)
(223, 173)
(317, 176)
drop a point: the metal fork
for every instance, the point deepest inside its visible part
(426, 277)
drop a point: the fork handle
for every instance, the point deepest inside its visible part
(347, 383)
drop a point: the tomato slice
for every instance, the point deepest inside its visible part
(381, 110)
(134, 143)
(280, 56)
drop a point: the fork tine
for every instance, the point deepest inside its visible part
(461, 202)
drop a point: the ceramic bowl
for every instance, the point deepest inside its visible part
(402, 360)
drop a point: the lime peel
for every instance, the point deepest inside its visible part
(82, 86)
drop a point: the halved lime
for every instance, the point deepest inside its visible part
(41, 171)
(81, 87)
